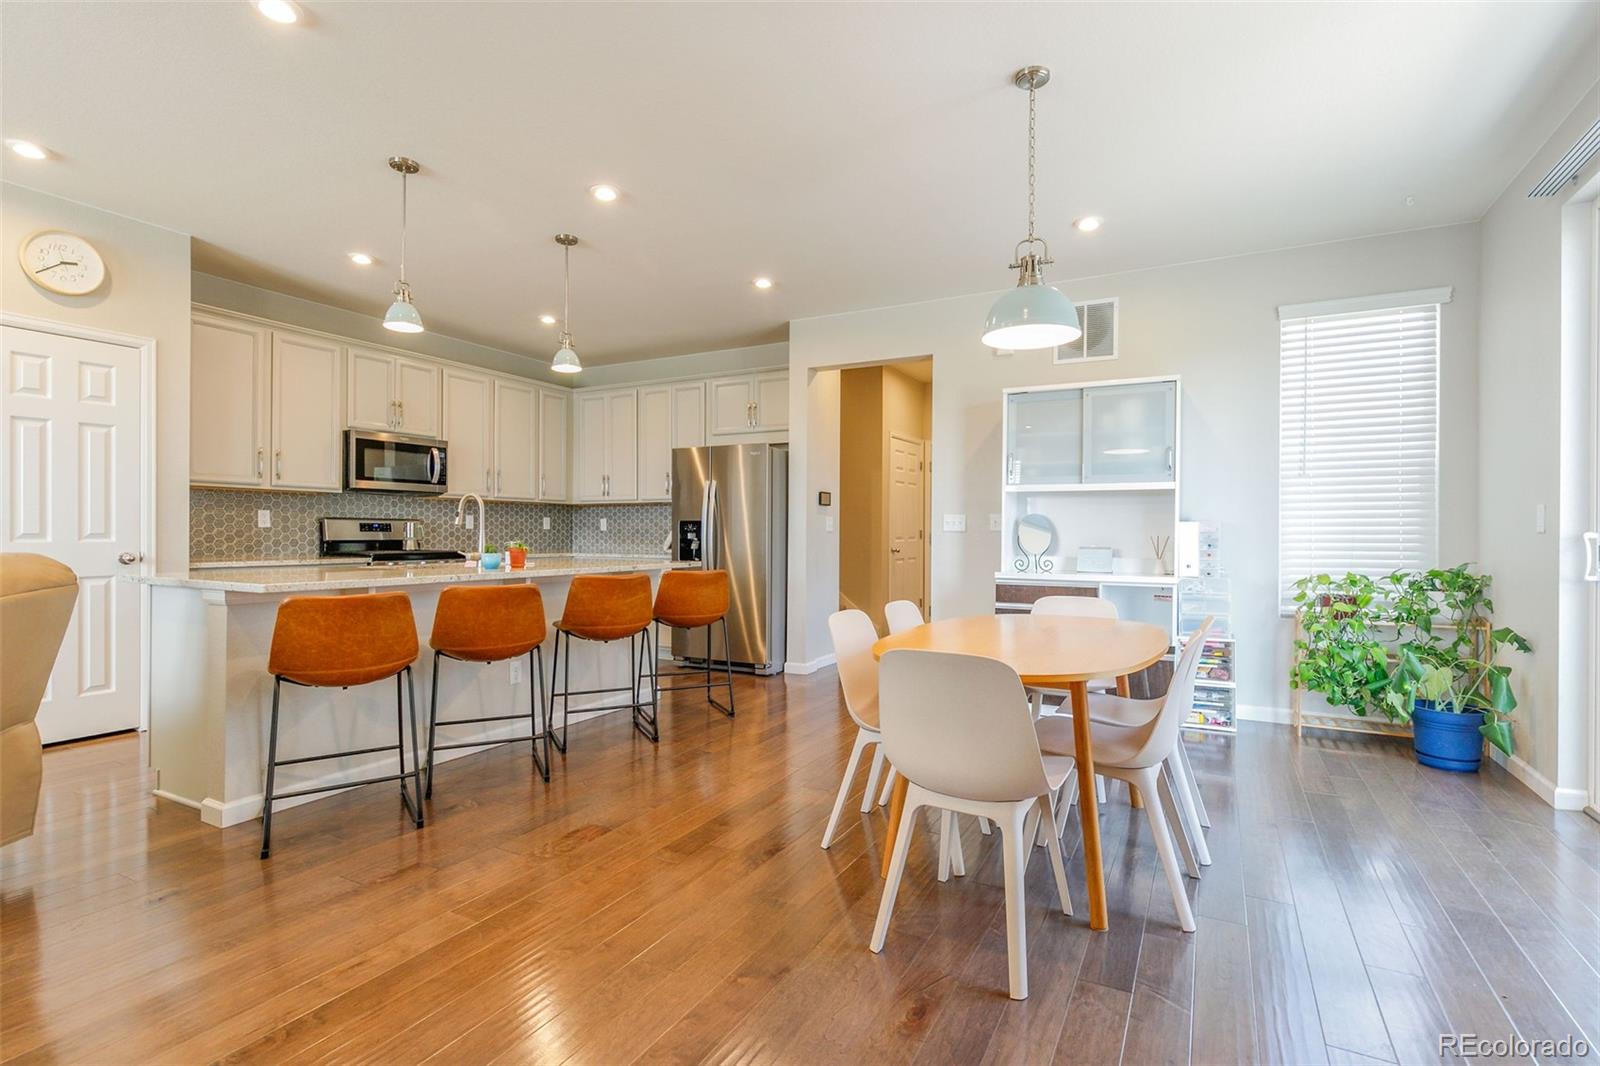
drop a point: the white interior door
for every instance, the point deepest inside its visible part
(906, 536)
(73, 492)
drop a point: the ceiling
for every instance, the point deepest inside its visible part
(861, 155)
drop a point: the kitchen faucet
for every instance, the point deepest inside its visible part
(461, 514)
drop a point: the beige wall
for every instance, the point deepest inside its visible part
(1533, 450)
(146, 295)
(1215, 323)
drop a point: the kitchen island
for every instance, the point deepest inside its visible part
(211, 695)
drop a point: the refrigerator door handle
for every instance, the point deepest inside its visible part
(708, 528)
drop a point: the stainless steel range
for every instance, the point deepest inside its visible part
(378, 541)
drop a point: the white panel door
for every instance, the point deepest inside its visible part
(468, 431)
(772, 401)
(307, 413)
(553, 444)
(228, 376)
(516, 441)
(589, 447)
(688, 415)
(72, 472)
(622, 445)
(655, 442)
(732, 403)
(371, 390)
(906, 537)
(416, 396)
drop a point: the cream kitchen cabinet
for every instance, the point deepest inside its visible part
(606, 446)
(385, 390)
(553, 450)
(750, 403)
(670, 416)
(516, 440)
(307, 416)
(229, 378)
(468, 431)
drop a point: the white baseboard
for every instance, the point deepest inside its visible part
(1260, 712)
(161, 793)
(1562, 799)
(809, 667)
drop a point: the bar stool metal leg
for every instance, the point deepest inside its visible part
(648, 726)
(566, 690)
(433, 718)
(536, 690)
(272, 765)
(416, 762)
(727, 664)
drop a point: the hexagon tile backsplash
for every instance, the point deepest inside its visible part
(222, 524)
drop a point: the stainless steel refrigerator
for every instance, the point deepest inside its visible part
(730, 511)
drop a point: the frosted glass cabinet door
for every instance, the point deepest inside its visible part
(1044, 437)
(1130, 432)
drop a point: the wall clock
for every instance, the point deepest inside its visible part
(62, 262)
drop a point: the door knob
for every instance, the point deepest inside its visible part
(129, 558)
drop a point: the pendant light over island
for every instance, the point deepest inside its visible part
(566, 360)
(402, 316)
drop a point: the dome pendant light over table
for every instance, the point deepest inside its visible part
(566, 360)
(402, 316)
(1032, 315)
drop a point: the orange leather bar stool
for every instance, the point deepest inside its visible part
(489, 624)
(336, 642)
(605, 608)
(689, 599)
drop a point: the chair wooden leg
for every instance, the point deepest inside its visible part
(1016, 842)
(862, 740)
(891, 885)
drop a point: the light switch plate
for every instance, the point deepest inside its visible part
(1538, 518)
(263, 519)
(545, 522)
(955, 523)
(472, 520)
(516, 671)
(602, 525)
(827, 524)
(994, 523)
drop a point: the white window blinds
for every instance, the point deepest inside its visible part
(1358, 432)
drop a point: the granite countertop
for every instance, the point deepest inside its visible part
(269, 578)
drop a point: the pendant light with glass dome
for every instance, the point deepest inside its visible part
(1032, 315)
(566, 360)
(402, 316)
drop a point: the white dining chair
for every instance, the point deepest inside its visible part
(960, 730)
(853, 636)
(1142, 755)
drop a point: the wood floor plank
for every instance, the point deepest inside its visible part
(1223, 1012)
(1288, 1026)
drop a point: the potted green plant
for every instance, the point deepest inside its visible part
(518, 552)
(1339, 651)
(490, 559)
(1447, 681)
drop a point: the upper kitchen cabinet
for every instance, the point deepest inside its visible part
(307, 415)
(390, 391)
(606, 446)
(1130, 433)
(553, 450)
(468, 430)
(670, 416)
(750, 403)
(516, 440)
(228, 410)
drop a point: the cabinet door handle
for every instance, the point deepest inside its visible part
(1169, 458)
(399, 414)
(488, 482)
(541, 486)
(261, 458)
(498, 483)
(277, 463)
(666, 485)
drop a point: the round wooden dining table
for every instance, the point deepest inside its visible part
(1047, 652)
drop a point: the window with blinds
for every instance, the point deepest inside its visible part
(1358, 432)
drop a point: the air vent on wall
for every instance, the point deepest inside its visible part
(1567, 166)
(1099, 341)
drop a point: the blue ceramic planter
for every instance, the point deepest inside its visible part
(490, 560)
(1446, 740)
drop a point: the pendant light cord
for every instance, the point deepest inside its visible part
(566, 294)
(404, 206)
(1032, 143)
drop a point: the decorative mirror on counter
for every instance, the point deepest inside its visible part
(1036, 538)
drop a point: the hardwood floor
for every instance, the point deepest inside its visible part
(672, 904)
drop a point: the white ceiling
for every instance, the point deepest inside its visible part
(861, 155)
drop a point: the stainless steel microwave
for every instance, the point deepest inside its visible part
(394, 462)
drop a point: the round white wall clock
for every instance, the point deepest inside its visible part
(62, 262)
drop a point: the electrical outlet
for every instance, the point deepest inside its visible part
(472, 520)
(516, 671)
(263, 519)
(955, 523)
(994, 523)
(827, 524)
(602, 525)
(545, 522)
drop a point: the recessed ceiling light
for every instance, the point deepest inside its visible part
(27, 149)
(763, 283)
(1087, 224)
(360, 259)
(604, 193)
(283, 11)
(548, 320)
